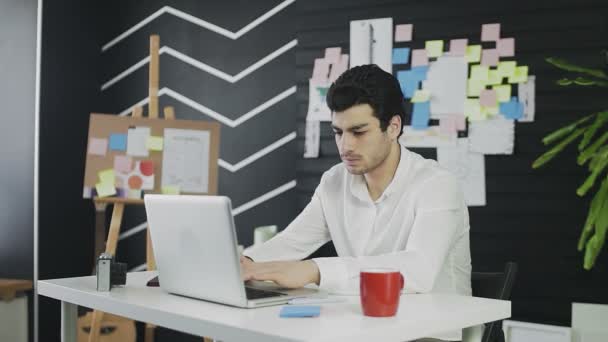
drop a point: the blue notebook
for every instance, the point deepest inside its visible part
(300, 311)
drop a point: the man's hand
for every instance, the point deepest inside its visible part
(289, 274)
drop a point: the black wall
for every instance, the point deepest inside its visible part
(532, 217)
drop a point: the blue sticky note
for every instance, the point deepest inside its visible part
(401, 55)
(421, 115)
(419, 72)
(118, 142)
(300, 311)
(512, 109)
(408, 83)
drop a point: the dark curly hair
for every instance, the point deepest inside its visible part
(371, 85)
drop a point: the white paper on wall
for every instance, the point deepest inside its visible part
(526, 92)
(186, 159)
(428, 138)
(468, 167)
(371, 42)
(317, 106)
(495, 135)
(136, 141)
(447, 83)
(312, 139)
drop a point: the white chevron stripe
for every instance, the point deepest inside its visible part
(234, 168)
(133, 231)
(213, 114)
(265, 197)
(200, 22)
(139, 268)
(202, 66)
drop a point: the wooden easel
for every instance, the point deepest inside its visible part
(119, 203)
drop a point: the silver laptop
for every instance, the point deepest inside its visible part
(195, 246)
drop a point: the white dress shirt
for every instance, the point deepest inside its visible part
(419, 225)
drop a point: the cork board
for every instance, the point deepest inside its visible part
(113, 140)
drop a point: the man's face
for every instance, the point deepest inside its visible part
(362, 144)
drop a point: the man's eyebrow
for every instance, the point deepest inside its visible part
(352, 128)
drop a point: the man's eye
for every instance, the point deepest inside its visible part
(337, 133)
(359, 133)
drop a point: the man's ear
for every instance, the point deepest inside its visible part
(395, 126)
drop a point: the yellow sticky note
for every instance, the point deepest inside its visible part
(474, 87)
(473, 53)
(503, 92)
(494, 78)
(472, 110)
(506, 69)
(520, 75)
(105, 189)
(490, 111)
(107, 176)
(170, 190)
(421, 95)
(154, 143)
(480, 72)
(134, 193)
(434, 48)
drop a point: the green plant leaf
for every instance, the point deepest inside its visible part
(600, 120)
(556, 135)
(586, 82)
(547, 156)
(590, 151)
(582, 190)
(596, 204)
(595, 244)
(564, 82)
(565, 65)
(598, 157)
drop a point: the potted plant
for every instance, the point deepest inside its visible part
(592, 133)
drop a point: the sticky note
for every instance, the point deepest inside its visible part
(506, 47)
(98, 147)
(300, 311)
(487, 98)
(421, 115)
(106, 176)
(472, 110)
(512, 109)
(489, 57)
(460, 121)
(490, 32)
(123, 164)
(419, 73)
(136, 141)
(133, 193)
(170, 190)
(474, 87)
(458, 47)
(490, 111)
(105, 189)
(419, 57)
(154, 143)
(118, 142)
(447, 125)
(494, 78)
(408, 83)
(401, 55)
(332, 54)
(503, 92)
(473, 53)
(421, 95)
(479, 72)
(403, 32)
(320, 70)
(434, 48)
(520, 75)
(506, 69)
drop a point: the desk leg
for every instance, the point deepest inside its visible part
(69, 316)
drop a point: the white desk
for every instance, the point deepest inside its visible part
(418, 316)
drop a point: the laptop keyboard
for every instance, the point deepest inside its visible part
(258, 294)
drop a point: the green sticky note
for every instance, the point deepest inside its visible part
(480, 72)
(473, 53)
(170, 190)
(474, 87)
(421, 95)
(494, 78)
(107, 176)
(520, 75)
(154, 143)
(472, 110)
(134, 193)
(434, 48)
(503, 92)
(105, 189)
(506, 69)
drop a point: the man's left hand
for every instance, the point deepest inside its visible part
(289, 274)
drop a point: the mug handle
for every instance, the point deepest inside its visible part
(402, 280)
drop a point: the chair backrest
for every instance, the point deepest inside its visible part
(495, 285)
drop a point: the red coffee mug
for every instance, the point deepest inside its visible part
(380, 291)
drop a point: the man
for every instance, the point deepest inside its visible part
(383, 206)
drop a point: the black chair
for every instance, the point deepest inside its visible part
(495, 285)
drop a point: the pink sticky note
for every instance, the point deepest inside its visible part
(458, 47)
(123, 164)
(403, 32)
(447, 125)
(490, 32)
(489, 57)
(487, 98)
(320, 70)
(98, 146)
(506, 47)
(460, 120)
(332, 54)
(338, 68)
(419, 57)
